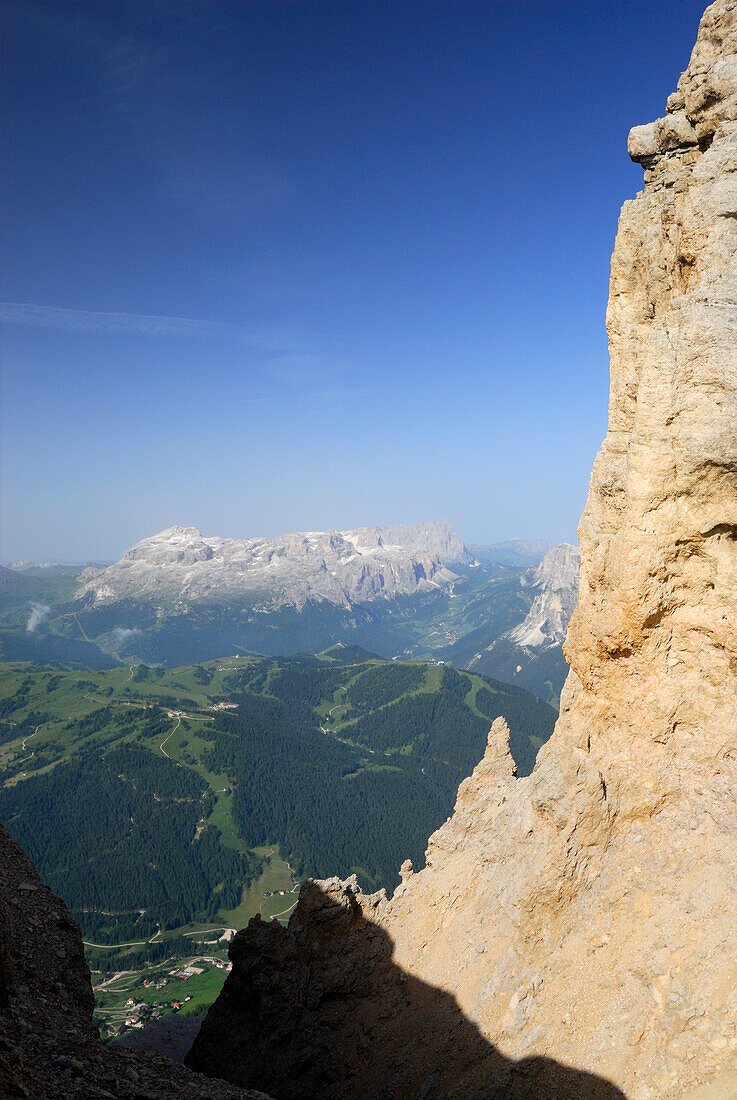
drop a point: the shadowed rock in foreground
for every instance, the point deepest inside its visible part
(585, 915)
(49, 1047)
(322, 1010)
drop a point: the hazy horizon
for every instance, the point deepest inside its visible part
(87, 560)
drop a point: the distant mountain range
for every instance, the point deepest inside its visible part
(530, 654)
(338, 567)
(408, 591)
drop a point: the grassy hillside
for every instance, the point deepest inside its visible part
(541, 671)
(149, 805)
(463, 625)
(170, 805)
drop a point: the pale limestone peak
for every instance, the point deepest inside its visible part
(497, 745)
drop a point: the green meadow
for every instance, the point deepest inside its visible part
(170, 805)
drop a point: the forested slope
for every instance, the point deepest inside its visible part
(142, 792)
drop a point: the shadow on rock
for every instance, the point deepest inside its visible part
(320, 1009)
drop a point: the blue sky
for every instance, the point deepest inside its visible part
(279, 266)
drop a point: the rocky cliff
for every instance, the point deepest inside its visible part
(556, 584)
(585, 916)
(530, 655)
(339, 567)
(49, 1048)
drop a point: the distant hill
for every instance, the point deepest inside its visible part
(45, 569)
(18, 587)
(21, 644)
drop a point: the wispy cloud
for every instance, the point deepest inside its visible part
(293, 364)
(39, 612)
(136, 324)
(121, 634)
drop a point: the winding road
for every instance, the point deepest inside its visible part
(206, 931)
(161, 746)
(133, 943)
(28, 738)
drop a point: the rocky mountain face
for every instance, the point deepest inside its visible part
(530, 654)
(585, 915)
(49, 1047)
(554, 582)
(338, 567)
(556, 579)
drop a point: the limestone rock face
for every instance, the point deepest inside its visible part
(587, 915)
(323, 1010)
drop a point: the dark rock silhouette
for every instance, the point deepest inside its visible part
(49, 1046)
(320, 1009)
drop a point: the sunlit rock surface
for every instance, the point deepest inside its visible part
(585, 916)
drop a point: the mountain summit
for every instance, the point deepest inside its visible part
(338, 567)
(585, 915)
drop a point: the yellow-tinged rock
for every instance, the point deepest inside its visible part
(576, 930)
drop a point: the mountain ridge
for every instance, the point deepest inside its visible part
(337, 567)
(556, 579)
(530, 653)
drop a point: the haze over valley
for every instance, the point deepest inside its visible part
(412, 591)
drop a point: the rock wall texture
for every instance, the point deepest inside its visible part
(585, 916)
(49, 1047)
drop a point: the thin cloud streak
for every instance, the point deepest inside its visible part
(135, 324)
